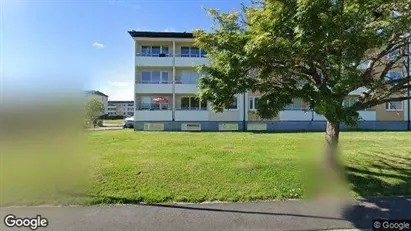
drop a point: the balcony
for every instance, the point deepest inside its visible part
(299, 115)
(186, 88)
(295, 115)
(153, 87)
(191, 115)
(153, 112)
(154, 60)
(155, 115)
(185, 60)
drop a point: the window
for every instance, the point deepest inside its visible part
(393, 55)
(233, 105)
(164, 77)
(145, 77)
(192, 52)
(203, 105)
(393, 75)
(349, 102)
(253, 102)
(195, 52)
(394, 106)
(185, 103)
(146, 51)
(203, 53)
(296, 105)
(154, 51)
(192, 103)
(154, 77)
(185, 51)
(147, 104)
(363, 65)
(164, 50)
(195, 102)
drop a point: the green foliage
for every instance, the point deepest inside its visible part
(92, 110)
(309, 50)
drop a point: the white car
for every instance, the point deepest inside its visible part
(128, 122)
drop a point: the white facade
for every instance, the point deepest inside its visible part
(123, 108)
(165, 69)
(166, 87)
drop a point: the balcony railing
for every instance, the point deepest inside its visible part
(154, 82)
(171, 55)
(169, 82)
(192, 55)
(192, 109)
(153, 106)
(154, 55)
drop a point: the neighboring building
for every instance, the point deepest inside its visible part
(124, 108)
(166, 88)
(103, 98)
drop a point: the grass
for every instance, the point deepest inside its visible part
(153, 167)
(116, 122)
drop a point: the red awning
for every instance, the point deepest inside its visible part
(160, 99)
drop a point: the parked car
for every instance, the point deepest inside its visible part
(128, 122)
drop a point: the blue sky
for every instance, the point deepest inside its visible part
(58, 44)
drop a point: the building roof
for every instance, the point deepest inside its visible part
(94, 92)
(121, 101)
(152, 34)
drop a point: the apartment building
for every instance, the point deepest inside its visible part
(101, 97)
(166, 88)
(123, 108)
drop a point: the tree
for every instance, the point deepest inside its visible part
(92, 109)
(308, 49)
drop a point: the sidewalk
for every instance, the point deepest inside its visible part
(279, 215)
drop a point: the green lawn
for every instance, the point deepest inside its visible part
(117, 122)
(128, 166)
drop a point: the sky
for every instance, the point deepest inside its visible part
(63, 44)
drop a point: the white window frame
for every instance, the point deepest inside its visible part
(233, 109)
(151, 77)
(150, 54)
(151, 102)
(388, 77)
(189, 52)
(189, 104)
(389, 108)
(252, 98)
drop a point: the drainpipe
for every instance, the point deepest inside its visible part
(244, 111)
(174, 82)
(408, 76)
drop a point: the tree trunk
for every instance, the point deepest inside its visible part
(331, 146)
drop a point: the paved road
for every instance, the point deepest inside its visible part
(280, 215)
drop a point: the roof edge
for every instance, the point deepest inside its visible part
(153, 34)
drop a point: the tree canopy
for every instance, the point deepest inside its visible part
(308, 49)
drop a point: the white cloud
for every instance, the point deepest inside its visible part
(119, 84)
(170, 30)
(98, 45)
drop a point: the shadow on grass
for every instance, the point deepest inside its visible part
(375, 182)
